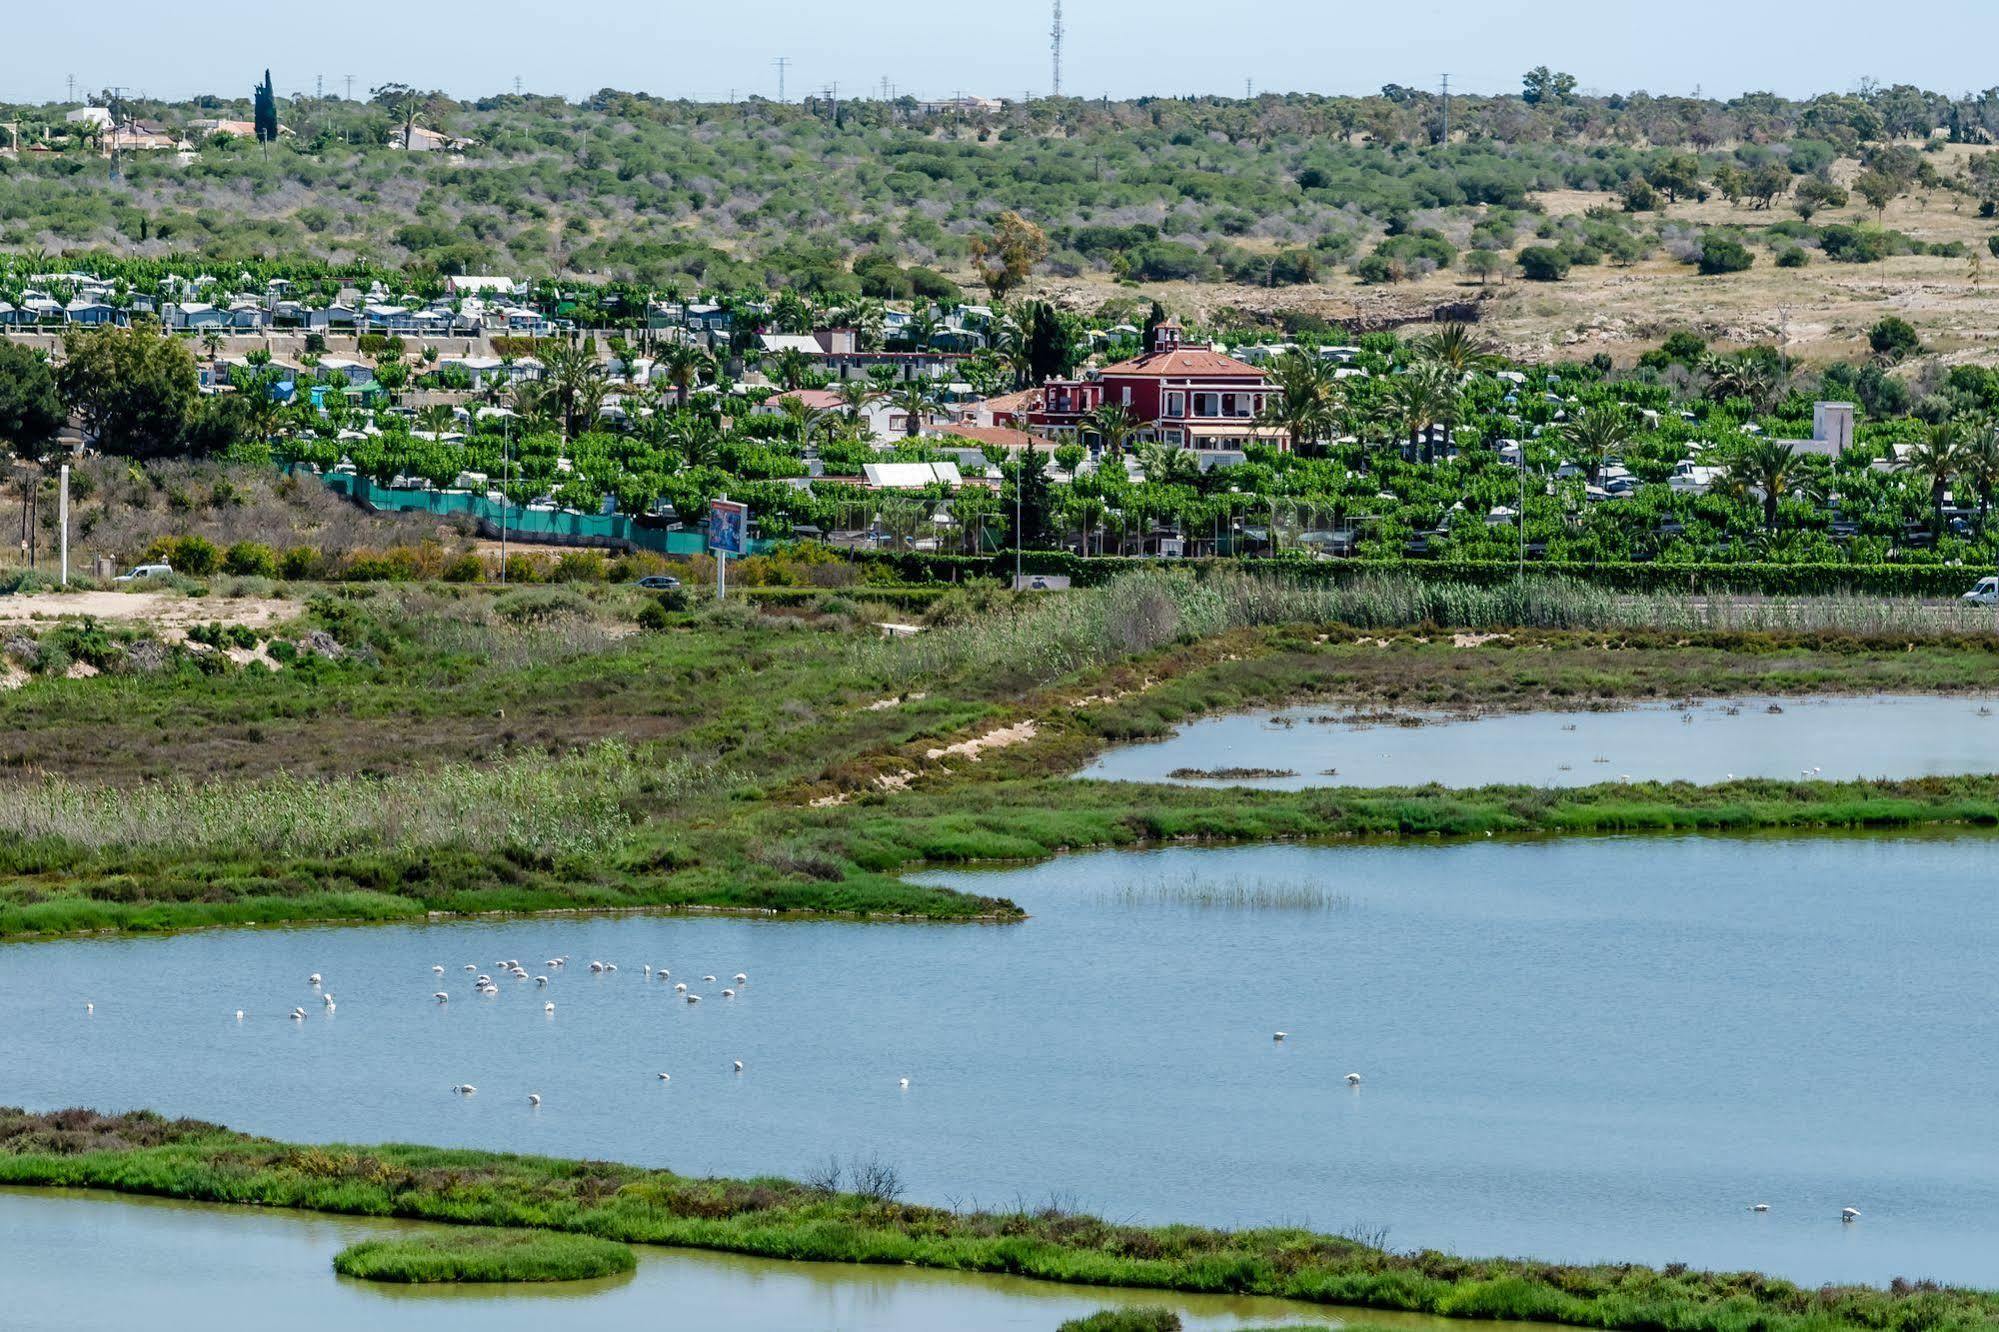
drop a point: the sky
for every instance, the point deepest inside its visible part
(937, 48)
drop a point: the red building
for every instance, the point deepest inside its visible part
(1181, 393)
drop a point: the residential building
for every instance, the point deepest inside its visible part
(1180, 393)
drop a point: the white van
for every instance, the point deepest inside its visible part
(1985, 594)
(144, 572)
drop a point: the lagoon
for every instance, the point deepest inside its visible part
(1575, 1050)
(1832, 738)
(75, 1261)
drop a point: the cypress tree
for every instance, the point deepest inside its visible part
(267, 111)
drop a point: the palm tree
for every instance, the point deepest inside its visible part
(1979, 461)
(1750, 377)
(1113, 425)
(918, 400)
(856, 396)
(1304, 405)
(683, 364)
(1938, 457)
(1768, 466)
(1596, 433)
(923, 327)
(790, 368)
(437, 419)
(1457, 349)
(574, 383)
(1424, 397)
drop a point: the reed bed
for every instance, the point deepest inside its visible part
(577, 803)
(1044, 640)
(1201, 893)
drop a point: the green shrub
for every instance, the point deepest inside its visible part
(300, 562)
(466, 568)
(1793, 256)
(250, 558)
(192, 555)
(1543, 263)
(1724, 254)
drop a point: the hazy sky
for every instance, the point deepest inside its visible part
(934, 48)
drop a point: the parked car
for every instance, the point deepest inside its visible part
(659, 582)
(1985, 594)
(144, 572)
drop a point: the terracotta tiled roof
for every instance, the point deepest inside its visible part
(1026, 400)
(815, 400)
(982, 435)
(1185, 362)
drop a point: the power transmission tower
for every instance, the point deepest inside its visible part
(1249, 90)
(517, 85)
(318, 86)
(783, 63)
(350, 86)
(1447, 108)
(72, 89)
(1055, 49)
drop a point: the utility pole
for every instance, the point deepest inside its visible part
(71, 97)
(1447, 108)
(318, 87)
(517, 85)
(62, 514)
(1249, 90)
(783, 63)
(350, 86)
(1055, 50)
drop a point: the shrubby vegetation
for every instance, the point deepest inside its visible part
(467, 1257)
(144, 1154)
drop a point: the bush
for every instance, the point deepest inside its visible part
(1724, 254)
(195, 556)
(1849, 244)
(1543, 263)
(1893, 338)
(1793, 256)
(465, 568)
(300, 562)
(250, 558)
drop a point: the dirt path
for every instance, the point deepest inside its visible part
(168, 613)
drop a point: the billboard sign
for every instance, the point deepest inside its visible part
(728, 527)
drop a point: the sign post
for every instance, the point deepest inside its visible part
(728, 534)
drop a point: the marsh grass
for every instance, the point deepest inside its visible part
(144, 1154)
(1193, 890)
(566, 805)
(482, 1256)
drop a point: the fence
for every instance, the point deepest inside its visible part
(554, 527)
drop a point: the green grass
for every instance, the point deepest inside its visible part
(478, 1256)
(145, 1154)
(464, 759)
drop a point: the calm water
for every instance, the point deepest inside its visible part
(1586, 1049)
(1841, 738)
(72, 1262)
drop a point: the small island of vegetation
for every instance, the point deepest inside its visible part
(482, 1256)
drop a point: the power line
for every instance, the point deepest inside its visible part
(1055, 49)
(783, 63)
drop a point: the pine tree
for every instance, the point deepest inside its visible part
(267, 111)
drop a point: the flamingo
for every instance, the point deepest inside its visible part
(239, 1015)
(534, 1098)
(298, 1015)
(1759, 1207)
(666, 1077)
(741, 979)
(313, 979)
(465, 1089)
(680, 987)
(438, 969)
(88, 1009)
(470, 967)
(693, 998)
(708, 980)
(728, 994)
(1353, 1079)
(905, 1084)
(739, 1066)
(1849, 1214)
(548, 1009)
(541, 982)
(1279, 1035)
(441, 997)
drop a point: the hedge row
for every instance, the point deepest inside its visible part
(1897, 580)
